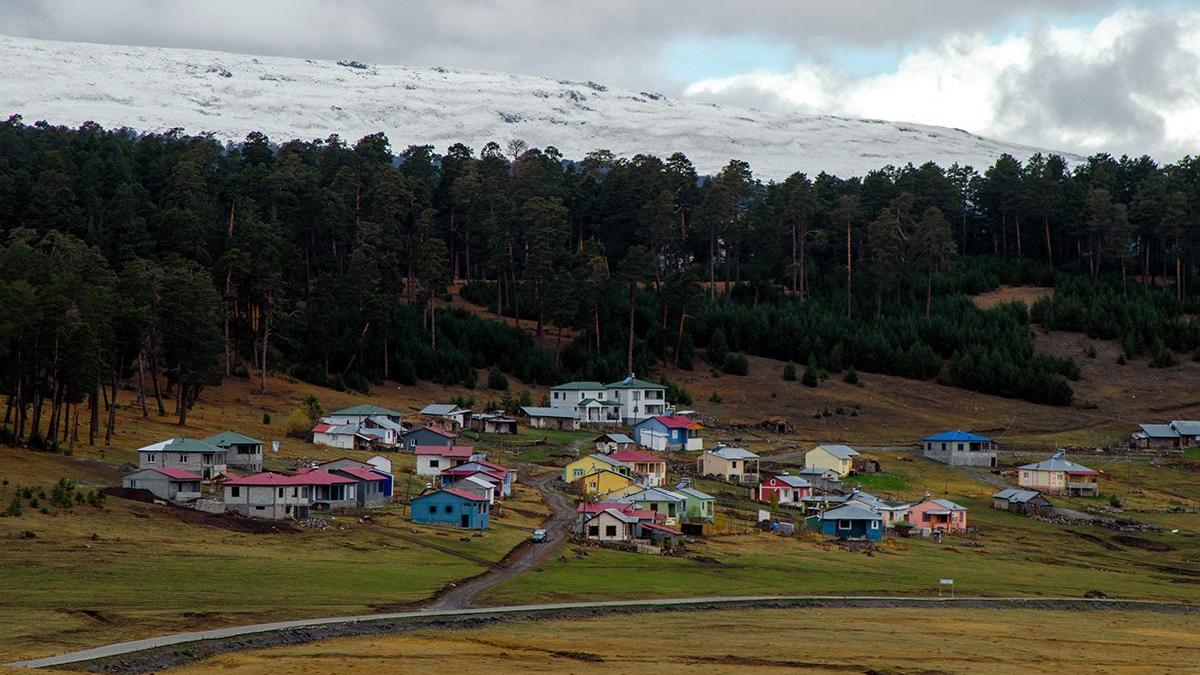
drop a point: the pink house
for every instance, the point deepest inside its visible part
(938, 514)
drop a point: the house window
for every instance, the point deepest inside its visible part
(593, 530)
(610, 530)
(183, 459)
(295, 492)
(150, 457)
(448, 509)
(281, 493)
(260, 508)
(235, 491)
(925, 517)
(578, 472)
(434, 463)
(844, 524)
(874, 524)
(433, 508)
(733, 465)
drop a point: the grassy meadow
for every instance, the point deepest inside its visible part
(90, 575)
(728, 641)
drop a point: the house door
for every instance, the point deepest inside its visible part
(466, 520)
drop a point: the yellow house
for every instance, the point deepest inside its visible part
(585, 466)
(839, 458)
(603, 482)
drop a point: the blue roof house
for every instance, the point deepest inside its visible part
(452, 507)
(849, 522)
(960, 448)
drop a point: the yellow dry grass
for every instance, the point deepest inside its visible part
(1026, 294)
(727, 641)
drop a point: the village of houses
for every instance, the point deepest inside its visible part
(637, 483)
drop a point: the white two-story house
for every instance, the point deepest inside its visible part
(638, 399)
(626, 401)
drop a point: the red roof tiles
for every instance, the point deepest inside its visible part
(464, 451)
(268, 479)
(630, 455)
(677, 421)
(465, 495)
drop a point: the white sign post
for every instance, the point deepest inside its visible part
(946, 582)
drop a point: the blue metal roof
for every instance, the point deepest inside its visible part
(957, 435)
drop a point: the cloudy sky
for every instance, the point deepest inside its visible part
(1076, 75)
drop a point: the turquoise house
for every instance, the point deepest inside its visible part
(849, 522)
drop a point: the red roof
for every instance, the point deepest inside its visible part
(177, 474)
(661, 528)
(465, 495)
(631, 455)
(677, 421)
(624, 507)
(321, 428)
(445, 451)
(362, 474)
(315, 477)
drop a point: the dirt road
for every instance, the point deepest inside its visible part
(523, 558)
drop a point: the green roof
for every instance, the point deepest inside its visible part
(578, 386)
(181, 445)
(366, 410)
(228, 438)
(634, 383)
(586, 401)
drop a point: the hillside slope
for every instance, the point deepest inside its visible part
(153, 89)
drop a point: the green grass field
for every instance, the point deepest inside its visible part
(90, 576)
(1010, 554)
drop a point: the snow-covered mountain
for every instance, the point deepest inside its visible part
(153, 89)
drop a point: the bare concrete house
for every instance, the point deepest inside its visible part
(241, 452)
(960, 448)
(188, 454)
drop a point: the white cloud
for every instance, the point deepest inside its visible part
(1130, 84)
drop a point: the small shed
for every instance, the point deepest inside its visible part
(659, 535)
(1020, 501)
(493, 423)
(610, 443)
(865, 465)
(550, 418)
